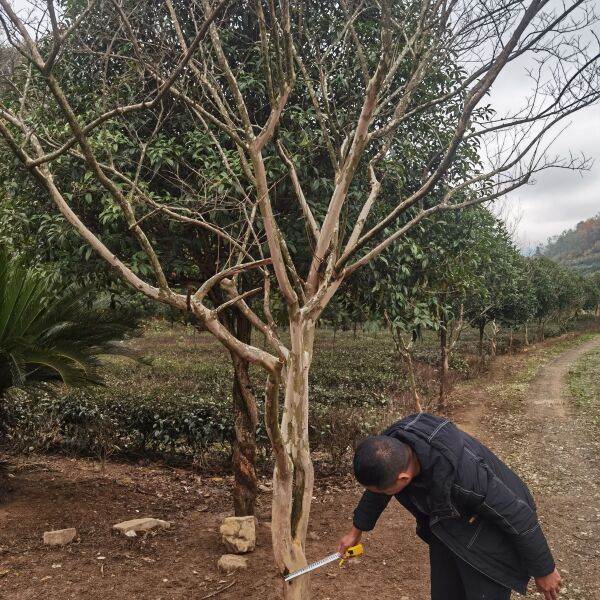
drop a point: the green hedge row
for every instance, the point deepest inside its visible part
(129, 423)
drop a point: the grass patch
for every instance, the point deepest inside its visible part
(584, 384)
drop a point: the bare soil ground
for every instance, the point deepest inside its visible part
(526, 418)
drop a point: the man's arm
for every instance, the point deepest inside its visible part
(367, 512)
(369, 509)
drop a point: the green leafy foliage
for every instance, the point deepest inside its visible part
(181, 401)
(45, 335)
(560, 293)
(123, 420)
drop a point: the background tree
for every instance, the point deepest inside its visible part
(592, 301)
(570, 295)
(504, 296)
(543, 273)
(397, 287)
(188, 254)
(518, 304)
(559, 292)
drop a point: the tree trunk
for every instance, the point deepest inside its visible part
(245, 421)
(510, 340)
(408, 358)
(406, 352)
(526, 334)
(293, 478)
(481, 334)
(494, 339)
(444, 362)
(540, 330)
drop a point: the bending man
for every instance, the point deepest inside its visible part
(477, 515)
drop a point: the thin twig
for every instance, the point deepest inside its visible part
(212, 594)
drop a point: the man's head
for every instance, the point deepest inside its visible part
(384, 464)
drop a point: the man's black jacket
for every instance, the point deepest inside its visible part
(469, 499)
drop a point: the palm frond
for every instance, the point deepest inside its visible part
(45, 335)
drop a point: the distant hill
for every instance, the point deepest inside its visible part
(579, 248)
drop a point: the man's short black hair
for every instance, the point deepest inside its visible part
(379, 459)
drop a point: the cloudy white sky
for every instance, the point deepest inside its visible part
(558, 199)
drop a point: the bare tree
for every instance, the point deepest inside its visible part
(396, 113)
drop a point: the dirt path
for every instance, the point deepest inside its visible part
(549, 395)
(557, 451)
(566, 449)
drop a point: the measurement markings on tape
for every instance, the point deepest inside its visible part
(350, 553)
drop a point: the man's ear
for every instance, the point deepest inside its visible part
(403, 477)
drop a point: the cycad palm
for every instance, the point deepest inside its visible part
(47, 336)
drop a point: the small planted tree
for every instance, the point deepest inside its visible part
(559, 293)
(400, 67)
(505, 296)
(518, 301)
(398, 289)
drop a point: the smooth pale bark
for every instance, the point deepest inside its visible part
(526, 333)
(293, 485)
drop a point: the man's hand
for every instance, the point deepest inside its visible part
(549, 585)
(350, 539)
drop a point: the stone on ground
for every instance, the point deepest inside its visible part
(141, 525)
(232, 562)
(239, 534)
(60, 537)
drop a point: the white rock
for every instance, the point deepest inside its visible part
(60, 537)
(141, 525)
(232, 562)
(239, 534)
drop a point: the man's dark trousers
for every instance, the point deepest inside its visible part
(454, 579)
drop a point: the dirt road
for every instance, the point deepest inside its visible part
(561, 457)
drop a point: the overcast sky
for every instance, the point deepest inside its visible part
(559, 199)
